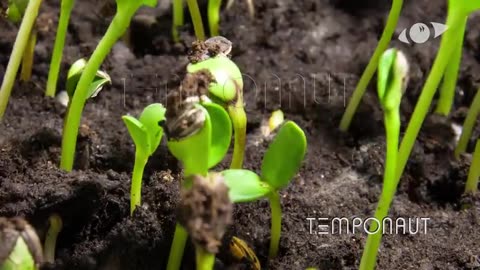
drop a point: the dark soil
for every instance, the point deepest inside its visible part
(290, 54)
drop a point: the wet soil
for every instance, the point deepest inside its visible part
(303, 57)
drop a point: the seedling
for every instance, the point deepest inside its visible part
(178, 20)
(227, 90)
(206, 211)
(372, 64)
(447, 45)
(392, 79)
(242, 252)
(471, 187)
(280, 164)
(19, 47)
(54, 229)
(146, 135)
(468, 125)
(65, 11)
(20, 248)
(15, 12)
(274, 121)
(125, 11)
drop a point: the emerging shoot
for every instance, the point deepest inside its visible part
(392, 80)
(468, 125)
(54, 229)
(146, 135)
(20, 248)
(65, 11)
(372, 64)
(19, 47)
(471, 187)
(243, 253)
(124, 13)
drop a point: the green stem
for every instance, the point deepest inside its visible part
(239, 121)
(196, 19)
(65, 11)
(51, 238)
(28, 55)
(136, 188)
(115, 31)
(16, 57)
(392, 128)
(276, 226)
(204, 259)
(421, 109)
(471, 186)
(178, 20)
(468, 125)
(214, 16)
(372, 64)
(447, 91)
(178, 245)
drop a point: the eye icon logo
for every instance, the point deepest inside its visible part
(419, 33)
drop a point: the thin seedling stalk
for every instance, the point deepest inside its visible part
(28, 55)
(178, 245)
(447, 90)
(421, 109)
(178, 19)
(471, 187)
(65, 12)
(468, 125)
(214, 16)
(204, 259)
(18, 48)
(239, 120)
(372, 65)
(136, 188)
(276, 225)
(114, 32)
(196, 19)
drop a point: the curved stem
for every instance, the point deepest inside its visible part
(178, 19)
(214, 16)
(468, 125)
(239, 120)
(392, 128)
(372, 65)
(65, 11)
(28, 55)
(276, 226)
(471, 186)
(447, 91)
(115, 31)
(421, 109)
(16, 57)
(204, 259)
(137, 175)
(196, 19)
(178, 245)
(51, 237)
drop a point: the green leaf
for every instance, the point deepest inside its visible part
(16, 10)
(20, 258)
(284, 156)
(221, 133)
(139, 134)
(193, 151)
(245, 185)
(227, 75)
(73, 76)
(151, 116)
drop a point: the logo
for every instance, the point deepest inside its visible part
(419, 33)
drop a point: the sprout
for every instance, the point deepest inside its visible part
(206, 211)
(471, 187)
(468, 125)
(227, 89)
(22, 42)
(241, 252)
(20, 248)
(54, 229)
(392, 79)
(276, 119)
(281, 162)
(118, 26)
(65, 11)
(367, 75)
(146, 135)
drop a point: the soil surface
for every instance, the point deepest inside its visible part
(303, 57)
